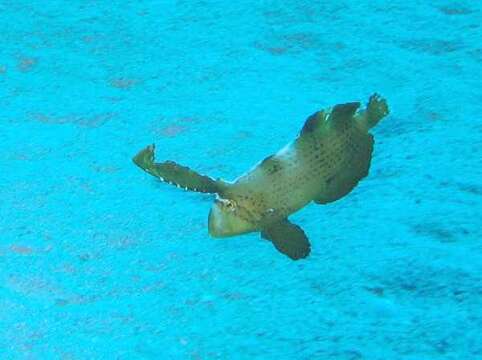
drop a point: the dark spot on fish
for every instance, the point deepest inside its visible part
(310, 124)
(272, 165)
(330, 179)
(274, 169)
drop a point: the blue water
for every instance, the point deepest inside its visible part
(98, 260)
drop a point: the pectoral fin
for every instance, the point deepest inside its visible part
(288, 238)
(175, 174)
(344, 181)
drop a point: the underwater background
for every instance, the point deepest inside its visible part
(98, 260)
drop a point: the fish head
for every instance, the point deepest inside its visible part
(228, 217)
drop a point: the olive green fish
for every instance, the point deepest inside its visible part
(331, 154)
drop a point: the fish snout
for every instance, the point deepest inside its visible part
(215, 223)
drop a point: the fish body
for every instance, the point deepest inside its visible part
(327, 159)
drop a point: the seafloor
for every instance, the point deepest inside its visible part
(100, 261)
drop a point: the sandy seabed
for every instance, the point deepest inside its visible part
(100, 261)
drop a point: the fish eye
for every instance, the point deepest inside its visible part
(229, 204)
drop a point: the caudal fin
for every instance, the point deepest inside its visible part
(377, 108)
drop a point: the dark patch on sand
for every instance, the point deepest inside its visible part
(433, 46)
(26, 64)
(92, 121)
(123, 83)
(419, 280)
(290, 43)
(455, 10)
(442, 232)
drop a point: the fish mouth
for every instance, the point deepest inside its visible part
(215, 224)
(224, 223)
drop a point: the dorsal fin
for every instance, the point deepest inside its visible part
(175, 174)
(335, 118)
(313, 123)
(342, 114)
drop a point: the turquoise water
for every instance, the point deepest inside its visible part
(100, 261)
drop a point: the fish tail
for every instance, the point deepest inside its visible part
(377, 109)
